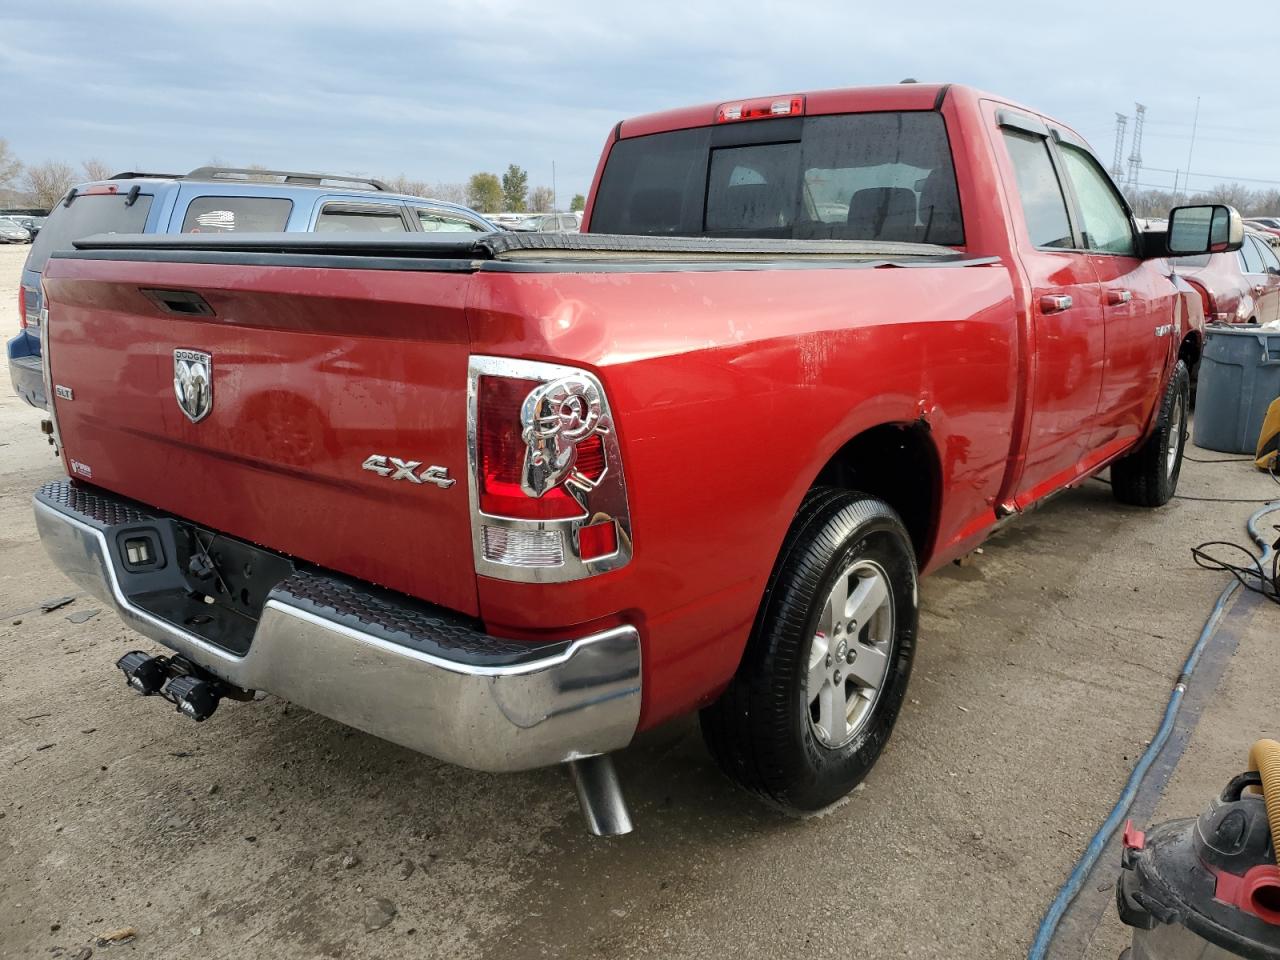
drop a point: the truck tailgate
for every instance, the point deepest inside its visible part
(312, 372)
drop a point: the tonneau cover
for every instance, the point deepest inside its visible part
(514, 246)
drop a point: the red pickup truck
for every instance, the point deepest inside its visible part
(509, 500)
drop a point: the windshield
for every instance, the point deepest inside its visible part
(867, 176)
(88, 214)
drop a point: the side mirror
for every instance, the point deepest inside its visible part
(1209, 228)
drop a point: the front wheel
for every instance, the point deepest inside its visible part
(826, 667)
(1148, 477)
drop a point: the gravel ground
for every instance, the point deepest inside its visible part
(272, 832)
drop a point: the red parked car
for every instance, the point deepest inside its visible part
(508, 500)
(1266, 225)
(1239, 287)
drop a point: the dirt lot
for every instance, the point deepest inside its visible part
(271, 832)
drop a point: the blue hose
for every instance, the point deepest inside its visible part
(1053, 916)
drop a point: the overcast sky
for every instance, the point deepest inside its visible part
(437, 89)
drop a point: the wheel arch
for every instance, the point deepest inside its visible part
(1190, 349)
(898, 463)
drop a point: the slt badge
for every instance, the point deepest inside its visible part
(398, 469)
(193, 383)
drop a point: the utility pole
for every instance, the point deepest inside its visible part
(1117, 164)
(1135, 156)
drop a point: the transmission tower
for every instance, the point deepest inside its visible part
(1117, 165)
(1135, 156)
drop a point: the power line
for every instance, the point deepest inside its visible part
(1221, 178)
(1195, 122)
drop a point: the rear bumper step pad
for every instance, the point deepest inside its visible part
(417, 675)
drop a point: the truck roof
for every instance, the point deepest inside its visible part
(907, 95)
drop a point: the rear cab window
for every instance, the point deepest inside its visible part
(861, 176)
(89, 213)
(212, 214)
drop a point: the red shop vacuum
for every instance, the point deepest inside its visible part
(1208, 888)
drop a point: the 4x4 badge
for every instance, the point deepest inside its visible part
(397, 469)
(193, 383)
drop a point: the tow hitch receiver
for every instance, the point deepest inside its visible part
(194, 692)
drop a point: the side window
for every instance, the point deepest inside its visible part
(1042, 201)
(1252, 258)
(236, 214)
(360, 218)
(437, 221)
(1107, 227)
(1269, 258)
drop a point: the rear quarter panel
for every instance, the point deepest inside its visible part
(731, 390)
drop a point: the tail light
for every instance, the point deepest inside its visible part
(22, 306)
(548, 496)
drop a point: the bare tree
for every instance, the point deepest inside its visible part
(1250, 203)
(449, 192)
(47, 182)
(1232, 194)
(541, 199)
(95, 169)
(1266, 203)
(402, 184)
(10, 167)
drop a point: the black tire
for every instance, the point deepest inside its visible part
(761, 731)
(1148, 477)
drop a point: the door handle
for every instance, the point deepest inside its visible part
(1118, 297)
(1055, 303)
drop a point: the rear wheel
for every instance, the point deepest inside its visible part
(826, 667)
(1148, 477)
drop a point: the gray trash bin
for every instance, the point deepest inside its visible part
(1239, 378)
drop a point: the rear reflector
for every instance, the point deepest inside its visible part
(760, 109)
(598, 540)
(523, 548)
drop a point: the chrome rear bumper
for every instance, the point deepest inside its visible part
(381, 672)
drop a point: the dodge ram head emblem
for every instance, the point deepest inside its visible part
(555, 418)
(193, 383)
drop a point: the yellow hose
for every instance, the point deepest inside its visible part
(1264, 757)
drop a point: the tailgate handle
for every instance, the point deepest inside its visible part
(185, 303)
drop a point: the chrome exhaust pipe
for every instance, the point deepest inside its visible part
(596, 783)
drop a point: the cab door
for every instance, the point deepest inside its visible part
(1139, 302)
(1065, 310)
